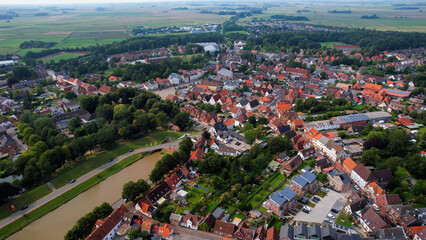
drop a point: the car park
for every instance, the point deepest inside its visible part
(304, 210)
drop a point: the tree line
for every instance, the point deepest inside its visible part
(36, 44)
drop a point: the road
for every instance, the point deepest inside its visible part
(80, 180)
(186, 233)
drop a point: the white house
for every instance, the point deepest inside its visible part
(191, 221)
(361, 176)
(175, 78)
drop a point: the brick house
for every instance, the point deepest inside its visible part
(175, 219)
(291, 165)
(8, 145)
(224, 229)
(372, 222)
(282, 201)
(339, 181)
(304, 183)
(191, 221)
(384, 201)
(244, 232)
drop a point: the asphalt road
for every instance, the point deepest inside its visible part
(80, 180)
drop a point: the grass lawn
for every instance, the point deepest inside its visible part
(65, 197)
(102, 158)
(25, 199)
(344, 219)
(261, 192)
(263, 209)
(321, 193)
(195, 194)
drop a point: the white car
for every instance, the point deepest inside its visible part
(356, 187)
(307, 208)
(331, 216)
(328, 220)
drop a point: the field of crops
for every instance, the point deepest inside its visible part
(86, 26)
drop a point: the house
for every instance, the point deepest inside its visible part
(348, 165)
(252, 106)
(307, 153)
(272, 234)
(243, 232)
(396, 233)
(191, 221)
(175, 219)
(151, 85)
(282, 157)
(229, 123)
(224, 229)
(226, 74)
(104, 89)
(282, 201)
(361, 176)
(417, 233)
(372, 222)
(400, 214)
(384, 201)
(106, 228)
(8, 145)
(261, 233)
(339, 181)
(166, 232)
(218, 213)
(175, 79)
(286, 232)
(291, 165)
(304, 183)
(148, 226)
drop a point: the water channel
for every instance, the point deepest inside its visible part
(55, 224)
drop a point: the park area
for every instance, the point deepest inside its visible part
(92, 161)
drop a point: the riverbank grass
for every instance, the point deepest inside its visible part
(65, 197)
(26, 199)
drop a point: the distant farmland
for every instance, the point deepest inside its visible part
(63, 55)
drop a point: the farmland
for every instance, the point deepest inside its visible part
(84, 25)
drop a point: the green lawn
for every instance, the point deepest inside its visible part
(261, 192)
(401, 172)
(102, 158)
(344, 219)
(65, 197)
(25, 199)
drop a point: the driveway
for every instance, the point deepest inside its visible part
(322, 208)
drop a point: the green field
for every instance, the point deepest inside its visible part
(330, 44)
(25, 199)
(261, 192)
(64, 56)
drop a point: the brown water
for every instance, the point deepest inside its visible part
(55, 224)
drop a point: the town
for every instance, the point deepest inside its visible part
(305, 144)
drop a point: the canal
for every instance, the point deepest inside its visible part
(55, 224)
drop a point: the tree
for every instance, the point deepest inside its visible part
(162, 119)
(106, 137)
(70, 95)
(105, 112)
(131, 190)
(7, 190)
(390, 69)
(21, 72)
(252, 119)
(323, 75)
(11, 81)
(186, 145)
(79, 146)
(278, 144)
(89, 103)
(262, 120)
(354, 81)
(250, 136)
(371, 156)
(182, 120)
(74, 123)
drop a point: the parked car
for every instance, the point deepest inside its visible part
(334, 210)
(328, 220)
(304, 210)
(331, 216)
(24, 207)
(72, 181)
(316, 198)
(356, 187)
(111, 160)
(131, 150)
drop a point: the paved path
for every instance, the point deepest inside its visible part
(81, 179)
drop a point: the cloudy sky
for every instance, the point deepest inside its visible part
(56, 2)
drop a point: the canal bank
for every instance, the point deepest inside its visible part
(55, 224)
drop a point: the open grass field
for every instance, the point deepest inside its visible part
(260, 193)
(63, 55)
(25, 199)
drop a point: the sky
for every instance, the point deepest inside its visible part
(58, 2)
